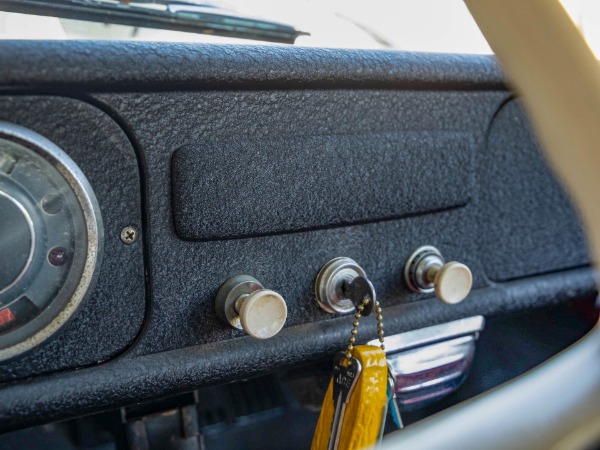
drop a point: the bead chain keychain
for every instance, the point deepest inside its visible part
(356, 403)
(357, 316)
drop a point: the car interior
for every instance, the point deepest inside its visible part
(191, 234)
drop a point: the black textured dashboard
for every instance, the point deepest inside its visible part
(168, 133)
(112, 317)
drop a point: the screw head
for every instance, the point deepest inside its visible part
(57, 256)
(129, 235)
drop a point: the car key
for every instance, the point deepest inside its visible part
(359, 372)
(359, 289)
(344, 381)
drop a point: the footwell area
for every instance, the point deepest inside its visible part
(281, 410)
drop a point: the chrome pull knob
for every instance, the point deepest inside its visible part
(427, 271)
(243, 302)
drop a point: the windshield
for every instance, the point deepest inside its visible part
(411, 25)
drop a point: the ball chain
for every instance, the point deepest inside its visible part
(357, 316)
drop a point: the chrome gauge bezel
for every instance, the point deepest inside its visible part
(81, 285)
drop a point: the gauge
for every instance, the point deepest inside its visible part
(50, 239)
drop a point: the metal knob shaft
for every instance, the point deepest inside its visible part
(246, 305)
(426, 271)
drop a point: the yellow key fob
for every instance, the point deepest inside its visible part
(364, 413)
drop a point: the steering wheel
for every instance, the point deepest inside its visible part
(556, 405)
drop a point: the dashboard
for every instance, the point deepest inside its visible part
(197, 163)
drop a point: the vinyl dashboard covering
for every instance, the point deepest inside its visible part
(249, 187)
(155, 126)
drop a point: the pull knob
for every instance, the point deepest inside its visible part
(427, 271)
(243, 302)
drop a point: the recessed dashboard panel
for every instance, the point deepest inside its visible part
(234, 188)
(50, 239)
(49, 147)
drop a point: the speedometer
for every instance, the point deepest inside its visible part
(50, 239)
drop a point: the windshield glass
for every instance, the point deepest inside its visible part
(412, 25)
